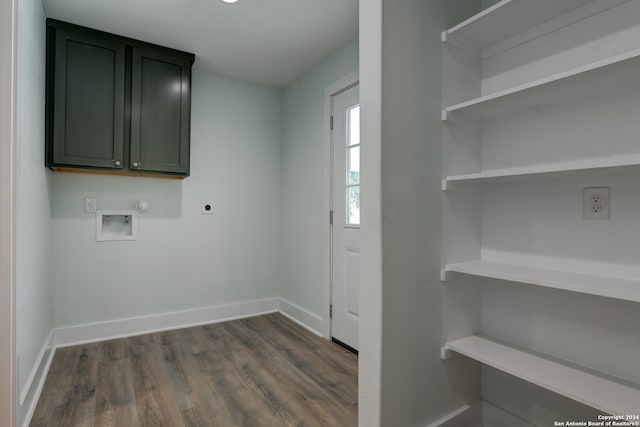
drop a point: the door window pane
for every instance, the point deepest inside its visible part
(353, 205)
(353, 165)
(354, 126)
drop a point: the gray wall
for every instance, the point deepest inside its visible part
(416, 388)
(487, 3)
(370, 333)
(33, 236)
(303, 214)
(182, 260)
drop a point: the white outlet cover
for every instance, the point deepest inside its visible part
(90, 205)
(596, 203)
(206, 207)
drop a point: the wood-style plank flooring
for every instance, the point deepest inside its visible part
(260, 371)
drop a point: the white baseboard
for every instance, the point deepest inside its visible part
(47, 344)
(464, 416)
(30, 392)
(122, 328)
(303, 317)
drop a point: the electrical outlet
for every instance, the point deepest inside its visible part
(596, 203)
(90, 205)
(206, 208)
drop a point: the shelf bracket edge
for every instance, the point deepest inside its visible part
(446, 353)
(445, 275)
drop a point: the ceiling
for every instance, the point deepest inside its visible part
(269, 42)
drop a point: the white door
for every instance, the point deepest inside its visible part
(345, 110)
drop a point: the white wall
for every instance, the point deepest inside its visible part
(182, 260)
(303, 212)
(416, 387)
(33, 283)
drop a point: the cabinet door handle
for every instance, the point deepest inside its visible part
(116, 162)
(136, 164)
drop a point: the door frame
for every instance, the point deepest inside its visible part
(8, 64)
(330, 91)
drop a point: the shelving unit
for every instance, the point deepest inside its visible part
(604, 394)
(544, 91)
(612, 287)
(571, 169)
(496, 23)
(581, 82)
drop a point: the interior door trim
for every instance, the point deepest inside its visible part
(330, 91)
(8, 37)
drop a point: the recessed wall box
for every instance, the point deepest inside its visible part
(116, 225)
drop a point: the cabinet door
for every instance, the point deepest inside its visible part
(88, 121)
(160, 103)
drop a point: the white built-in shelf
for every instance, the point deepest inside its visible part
(575, 168)
(605, 286)
(606, 395)
(595, 78)
(507, 18)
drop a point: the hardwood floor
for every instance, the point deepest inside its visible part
(261, 371)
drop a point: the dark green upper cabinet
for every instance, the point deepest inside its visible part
(116, 105)
(159, 112)
(88, 122)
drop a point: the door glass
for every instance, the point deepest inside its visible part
(354, 125)
(353, 166)
(353, 205)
